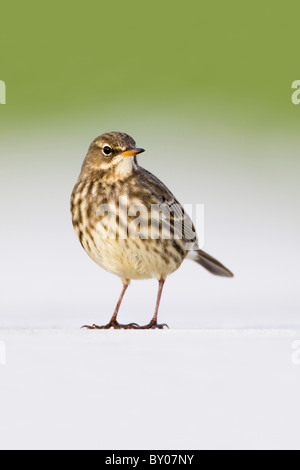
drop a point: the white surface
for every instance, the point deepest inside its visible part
(199, 389)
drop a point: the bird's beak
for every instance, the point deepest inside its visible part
(132, 152)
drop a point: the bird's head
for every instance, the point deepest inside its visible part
(113, 151)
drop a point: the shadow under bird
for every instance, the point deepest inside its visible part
(110, 173)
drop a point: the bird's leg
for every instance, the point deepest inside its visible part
(153, 324)
(113, 322)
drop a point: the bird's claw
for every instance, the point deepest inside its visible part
(115, 325)
(154, 326)
(131, 326)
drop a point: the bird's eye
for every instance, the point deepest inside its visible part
(107, 150)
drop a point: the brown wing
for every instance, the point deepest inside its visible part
(180, 223)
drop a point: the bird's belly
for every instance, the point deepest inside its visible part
(108, 243)
(133, 259)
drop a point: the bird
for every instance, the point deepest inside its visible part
(130, 223)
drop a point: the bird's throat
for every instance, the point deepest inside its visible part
(124, 167)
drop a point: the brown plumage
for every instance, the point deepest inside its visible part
(129, 222)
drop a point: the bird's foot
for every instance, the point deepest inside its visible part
(154, 326)
(113, 324)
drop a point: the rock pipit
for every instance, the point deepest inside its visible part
(129, 222)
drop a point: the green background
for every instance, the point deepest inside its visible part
(232, 59)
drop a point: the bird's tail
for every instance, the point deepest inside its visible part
(211, 264)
